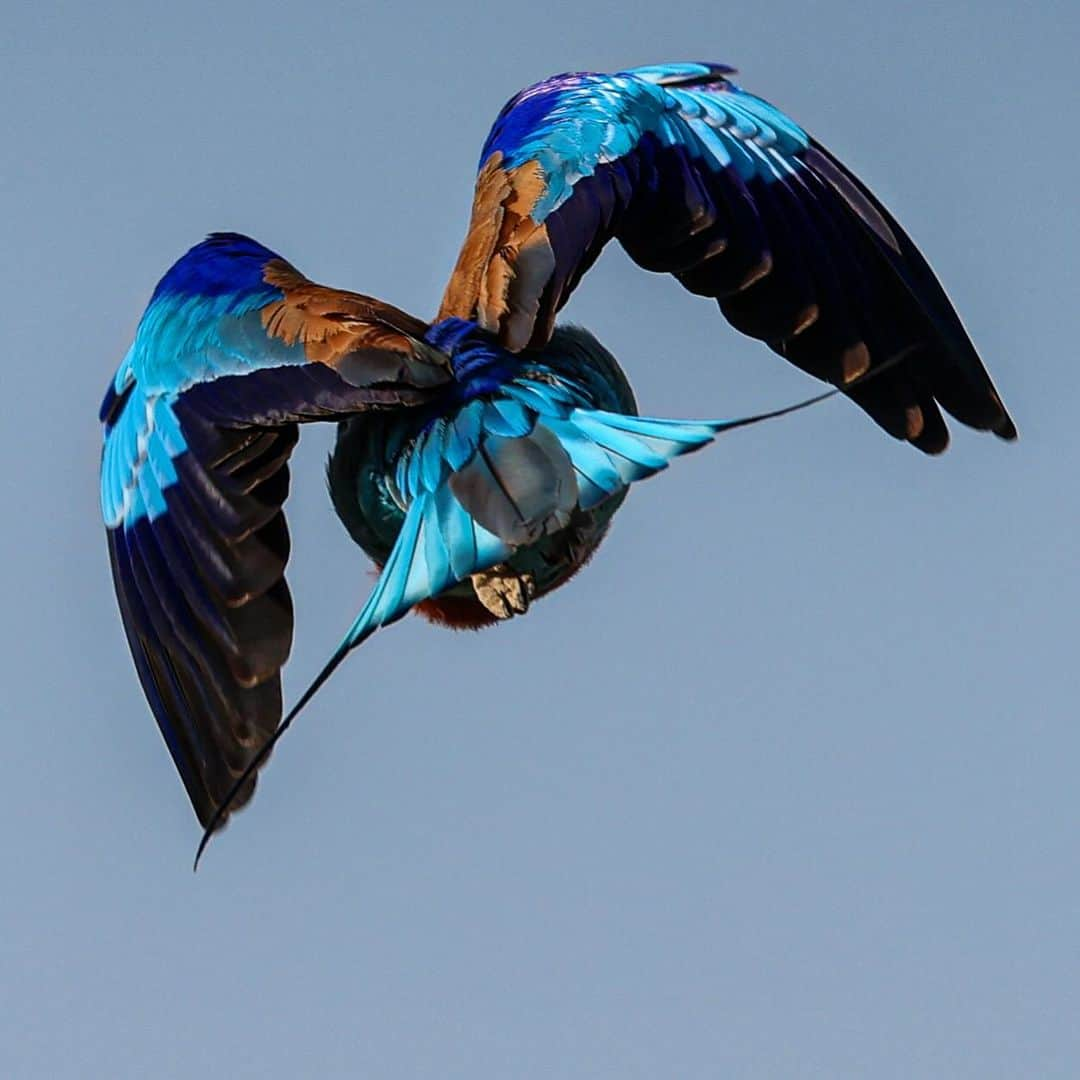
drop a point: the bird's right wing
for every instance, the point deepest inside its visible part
(234, 350)
(698, 178)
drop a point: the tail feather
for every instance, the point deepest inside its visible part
(631, 447)
(610, 451)
(598, 475)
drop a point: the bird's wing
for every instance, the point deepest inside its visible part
(234, 350)
(698, 178)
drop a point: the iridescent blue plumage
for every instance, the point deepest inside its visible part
(228, 265)
(202, 323)
(481, 457)
(479, 366)
(572, 124)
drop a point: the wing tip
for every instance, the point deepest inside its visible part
(1005, 429)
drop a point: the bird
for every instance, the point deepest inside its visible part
(480, 456)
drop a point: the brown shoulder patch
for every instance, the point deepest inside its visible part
(333, 324)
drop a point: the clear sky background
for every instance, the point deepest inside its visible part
(785, 785)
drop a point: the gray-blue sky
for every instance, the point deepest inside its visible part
(785, 785)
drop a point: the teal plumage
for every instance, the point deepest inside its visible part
(481, 457)
(376, 445)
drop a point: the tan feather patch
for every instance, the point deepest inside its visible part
(332, 324)
(506, 260)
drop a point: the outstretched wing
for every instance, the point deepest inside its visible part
(234, 350)
(698, 178)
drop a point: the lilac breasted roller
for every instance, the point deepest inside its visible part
(480, 457)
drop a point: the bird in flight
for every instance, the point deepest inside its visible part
(481, 456)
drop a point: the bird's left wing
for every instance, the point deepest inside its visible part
(696, 177)
(234, 350)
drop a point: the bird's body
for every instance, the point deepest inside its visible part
(373, 446)
(481, 457)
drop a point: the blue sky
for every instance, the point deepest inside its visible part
(784, 785)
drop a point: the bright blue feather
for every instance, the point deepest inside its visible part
(571, 124)
(225, 264)
(202, 323)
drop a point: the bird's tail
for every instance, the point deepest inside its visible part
(610, 451)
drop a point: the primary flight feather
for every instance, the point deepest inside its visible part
(481, 457)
